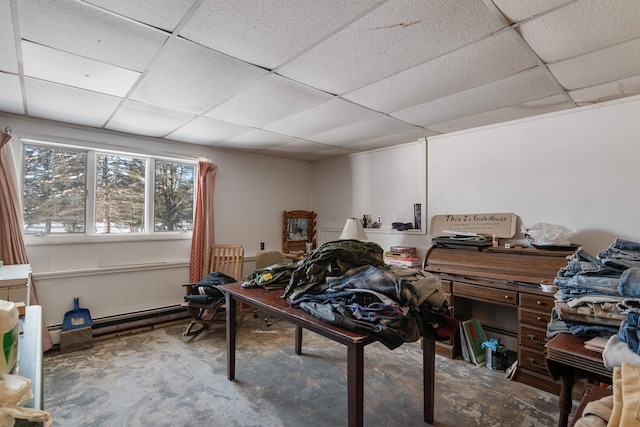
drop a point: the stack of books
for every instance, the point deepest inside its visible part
(403, 256)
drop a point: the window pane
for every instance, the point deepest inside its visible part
(54, 190)
(173, 196)
(120, 183)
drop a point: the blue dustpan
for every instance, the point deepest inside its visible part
(76, 318)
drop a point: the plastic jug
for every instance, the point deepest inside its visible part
(9, 331)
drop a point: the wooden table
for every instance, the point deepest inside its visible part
(272, 303)
(566, 358)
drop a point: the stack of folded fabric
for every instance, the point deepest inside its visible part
(597, 294)
(619, 410)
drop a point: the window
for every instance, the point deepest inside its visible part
(68, 189)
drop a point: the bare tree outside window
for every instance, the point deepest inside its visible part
(173, 198)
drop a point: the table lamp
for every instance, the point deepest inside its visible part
(353, 230)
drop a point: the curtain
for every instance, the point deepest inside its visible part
(12, 247)
(203, 222)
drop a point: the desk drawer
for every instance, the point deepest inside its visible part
(533, 338)
(536, 302)
(536, 319)
(484, 293)
(532, 360)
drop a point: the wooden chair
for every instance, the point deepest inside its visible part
(226, 259)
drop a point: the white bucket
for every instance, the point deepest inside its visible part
(9, 334)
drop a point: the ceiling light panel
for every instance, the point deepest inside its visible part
(148, 120)
(393, 37)
(49, 64)
(164, 14)
(328, 115)
(82, 29)
(270, 98)
(487, 60)
(523, 87)
(67, 104)
(581, 27)
(260, 32)
(193, 78)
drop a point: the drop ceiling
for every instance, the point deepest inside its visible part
(311, 79)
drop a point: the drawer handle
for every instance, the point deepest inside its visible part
(507, 297)
(533, 339)
(536, 364)
(540, 302)
(541, 319)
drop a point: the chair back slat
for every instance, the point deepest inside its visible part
(227, 259)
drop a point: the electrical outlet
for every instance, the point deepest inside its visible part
(379, 218)
(262, 246)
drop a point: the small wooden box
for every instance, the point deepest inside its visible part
(76, 339)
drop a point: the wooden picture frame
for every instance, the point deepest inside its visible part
(298, 229)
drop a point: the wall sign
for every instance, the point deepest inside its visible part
(503, 225)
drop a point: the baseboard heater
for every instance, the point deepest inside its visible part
(119, 324)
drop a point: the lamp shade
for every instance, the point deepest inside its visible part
(353, 230)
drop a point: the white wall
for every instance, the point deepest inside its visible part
(385, 182)
(577, 168)
(114, 275)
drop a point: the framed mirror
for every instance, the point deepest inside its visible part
(298, 229)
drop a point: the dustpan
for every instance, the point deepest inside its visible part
(76, 318)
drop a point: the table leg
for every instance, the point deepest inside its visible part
(298, 340)
(231, 335)
(355, 384)
(428, 381)
(565, 401)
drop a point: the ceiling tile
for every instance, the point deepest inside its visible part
(512, 112)
(82, 29)
(334, 113)
(320, 155)
(269, 99)
(203, 130)
(8, 59)
(487, 60)
(391, 140)
(391, 38)
(10, 94)
(164, 14)
(526, 86)
(378, 126)
(193, 78)
(607, 91)
(67, 104)
(602, 66)
(148, 120)
(52, 65)
(299, 146)
(517, 11)
(582, 27)
(257, 139)
(261, 32)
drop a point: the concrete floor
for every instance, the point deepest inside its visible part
(160, 378)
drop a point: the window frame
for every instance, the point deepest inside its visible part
(92, 151)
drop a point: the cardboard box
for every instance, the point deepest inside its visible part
(76, 339)
(503, 225)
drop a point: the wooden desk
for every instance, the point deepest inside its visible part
(272, 303)
(566, 358)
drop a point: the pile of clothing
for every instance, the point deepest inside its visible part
(600, 296)
(347, 283)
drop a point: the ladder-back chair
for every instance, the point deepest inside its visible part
(224, 259)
